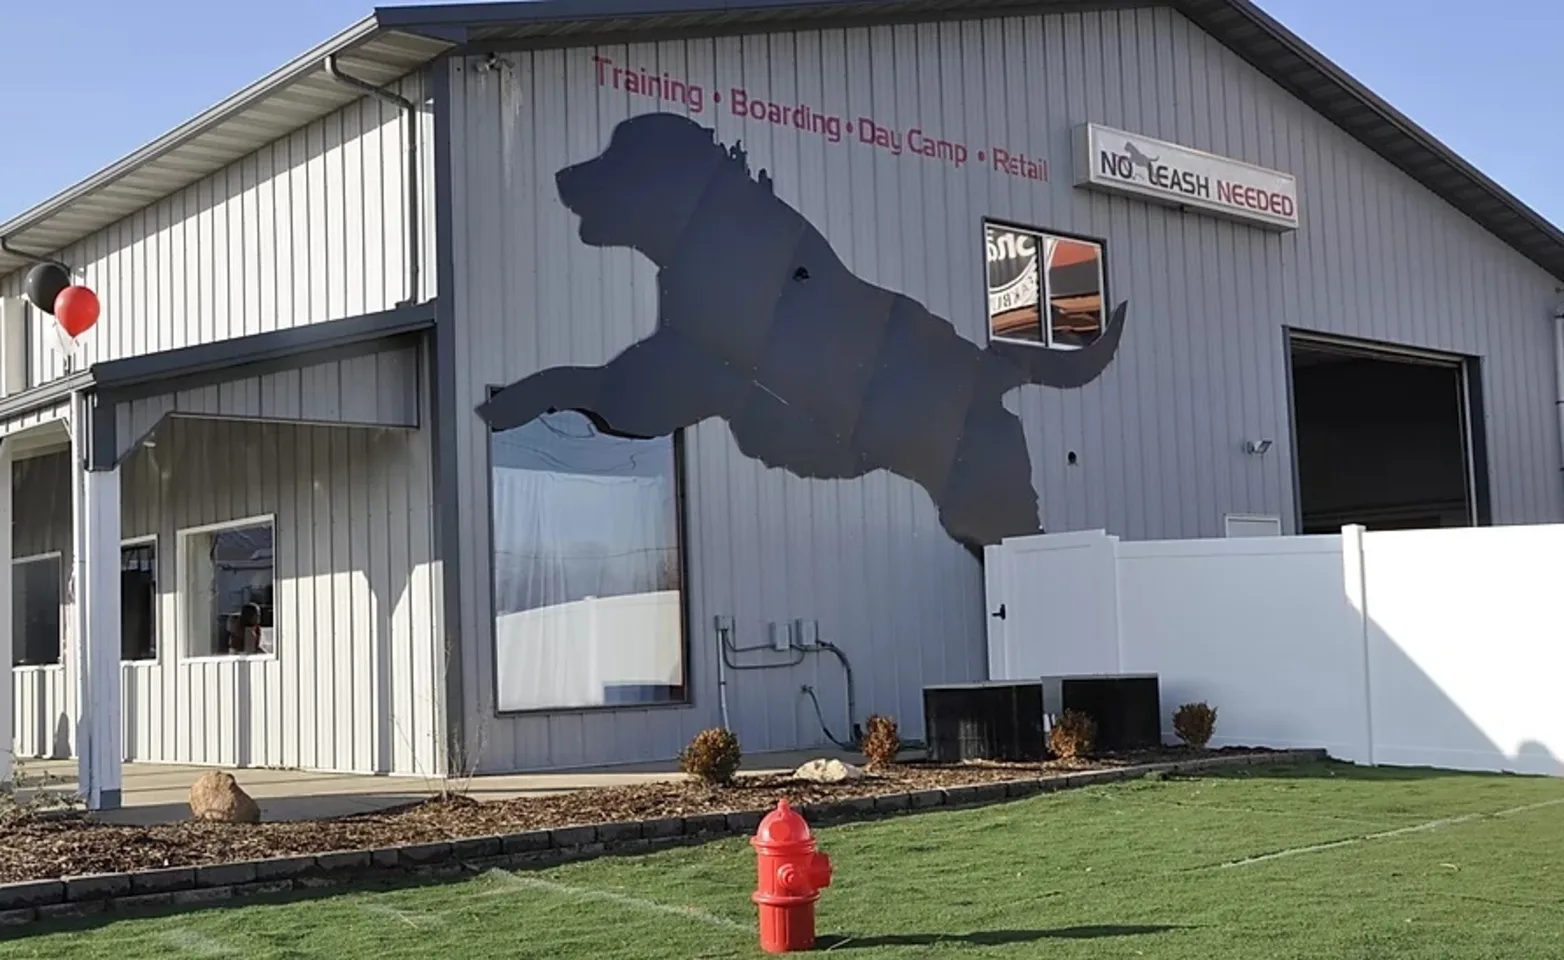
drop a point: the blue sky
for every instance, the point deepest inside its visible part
(83, 89)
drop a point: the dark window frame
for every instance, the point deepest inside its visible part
(57, 557)
(1045, 323)
(681, 541)
(151, 544)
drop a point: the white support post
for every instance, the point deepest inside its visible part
(7, 641)
(97, 567)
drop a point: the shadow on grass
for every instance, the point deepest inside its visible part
(988, 938)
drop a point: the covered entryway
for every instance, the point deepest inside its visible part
(255, 532)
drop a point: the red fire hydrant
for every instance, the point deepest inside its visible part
(792, 875)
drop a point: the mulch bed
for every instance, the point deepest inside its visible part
(45, 848)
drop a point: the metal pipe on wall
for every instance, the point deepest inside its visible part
(410, 111)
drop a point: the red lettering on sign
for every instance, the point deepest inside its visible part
(806, 118)
(1254, 198)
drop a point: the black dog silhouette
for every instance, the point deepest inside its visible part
(815, 370)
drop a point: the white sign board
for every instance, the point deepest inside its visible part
(1126, 163)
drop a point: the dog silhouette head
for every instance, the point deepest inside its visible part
(645, 185)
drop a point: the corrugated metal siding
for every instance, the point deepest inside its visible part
(44, 699)
(307, 229)
(1202, 368)
(376, 389)
(357, 618)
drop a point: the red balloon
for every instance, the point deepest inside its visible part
(77, 310)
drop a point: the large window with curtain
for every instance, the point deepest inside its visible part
(588, 568)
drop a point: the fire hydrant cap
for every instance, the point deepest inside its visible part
(782, 826)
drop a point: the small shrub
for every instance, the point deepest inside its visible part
(1072, 737)
(1194, 723)
(713, 756)
(881, 741)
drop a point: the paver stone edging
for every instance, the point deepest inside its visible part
(34, 900)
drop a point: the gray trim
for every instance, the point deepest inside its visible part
(239, 352)
(206, 376)
(49, 394)
(446, 416)
(102, 434)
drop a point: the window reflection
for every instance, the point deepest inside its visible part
(1027, 268)
(1074, 292)
(587, 567)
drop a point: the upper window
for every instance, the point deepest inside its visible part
(588, 586)
(229, 582)
(35, 610)
(1044, 290)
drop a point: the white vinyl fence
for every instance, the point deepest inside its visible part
(1440, 648)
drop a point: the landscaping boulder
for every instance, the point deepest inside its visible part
(217, 796)
(828, 771)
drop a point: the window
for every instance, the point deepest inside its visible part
(36, 587)
(229, 580)
(588, 592)
(138, 600)
(1028, 269)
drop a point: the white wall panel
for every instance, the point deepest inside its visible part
(307, 229)
(1158, 437)
(356, 684)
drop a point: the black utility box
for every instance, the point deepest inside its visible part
(1126, 706)
(1001, 720)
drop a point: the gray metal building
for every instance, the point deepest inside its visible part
(310, 290)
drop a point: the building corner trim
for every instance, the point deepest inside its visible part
(443, 428)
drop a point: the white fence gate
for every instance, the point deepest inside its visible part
(1440, 648)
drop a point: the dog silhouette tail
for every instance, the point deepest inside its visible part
(1069, 369)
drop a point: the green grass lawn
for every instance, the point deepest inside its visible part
(1432, 865)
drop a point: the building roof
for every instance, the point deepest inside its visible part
(394, 41)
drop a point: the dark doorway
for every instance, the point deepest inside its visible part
(1384, 438)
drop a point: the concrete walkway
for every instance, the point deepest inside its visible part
(160, 793)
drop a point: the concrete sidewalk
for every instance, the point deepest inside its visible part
(160, 793)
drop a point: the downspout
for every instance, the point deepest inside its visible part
(410, 110)
(1558, 363)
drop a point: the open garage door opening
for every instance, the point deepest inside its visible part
(1385, 438)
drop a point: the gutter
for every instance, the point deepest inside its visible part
(248, 97)
(413, 222)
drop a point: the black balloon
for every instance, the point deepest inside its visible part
(44, 283)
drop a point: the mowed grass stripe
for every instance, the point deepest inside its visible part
(1123, 870)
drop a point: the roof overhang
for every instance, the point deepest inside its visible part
(116, 381)
(278, 104)
(395, 41)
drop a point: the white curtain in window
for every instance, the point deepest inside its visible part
(584, 587)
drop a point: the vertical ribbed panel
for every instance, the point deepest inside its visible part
(355, 685)
(304, 230)
(1158, 436)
